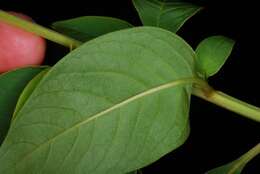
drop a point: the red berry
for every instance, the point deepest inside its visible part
(19, 48)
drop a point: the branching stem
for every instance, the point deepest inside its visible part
(201, 88)
(228, 102)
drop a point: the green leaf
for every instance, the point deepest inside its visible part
(167, 15)
(139, 171)
(236, 166)
(11, 85)
(88, 27)
(227, 168)
(28, 91)
(212, 53)
(110, 106)
(135, 172)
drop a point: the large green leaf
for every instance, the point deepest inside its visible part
(11, 85)
(167, 15)
(88, 27)
(236, 166)
(212, 53)
(110, 106)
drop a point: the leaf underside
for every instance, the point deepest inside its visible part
(89, 27)
(84, 116)
(168, 15)
(11, 85)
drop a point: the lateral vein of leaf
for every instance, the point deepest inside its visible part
(149, 130)
(153, 4)
(70, 151)
(119, 105)
(162, 9)
(171, 9)
(110, 144)
(167, 134)
(87, 147)
(130, 139)
(46, 159)
(160, 13)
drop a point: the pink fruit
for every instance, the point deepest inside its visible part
(19, 48)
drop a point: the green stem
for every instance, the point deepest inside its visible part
(39, 30)
(228, 102)
(201, 89)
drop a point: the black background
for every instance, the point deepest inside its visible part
(217, 136)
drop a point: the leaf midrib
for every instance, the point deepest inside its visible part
(110, 109)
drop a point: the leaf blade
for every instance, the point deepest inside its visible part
(88, 27)
(212, 53)
(168, 15)
(28, 91)
(236, 166)
(116, 62)
(11, 85)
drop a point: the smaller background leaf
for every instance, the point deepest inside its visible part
(226, 169)
(236, 166)
(28, 91)
(212, 53)
(88, 27)
(11, 85)
(168, 15)
(139, 171)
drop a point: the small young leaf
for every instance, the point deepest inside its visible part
(88, 27)
(167, 15)
(11, 85)
(236, 167)
(212, 53)
(109, 106)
